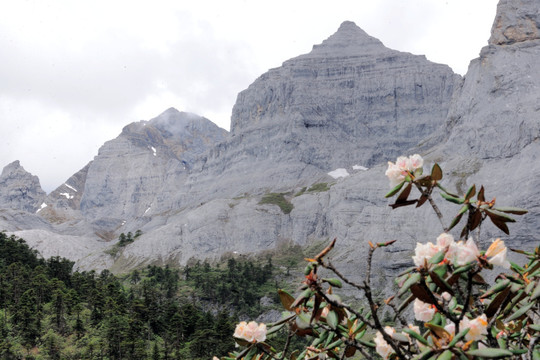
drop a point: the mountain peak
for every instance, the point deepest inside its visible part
(349, 38)
(516, 21)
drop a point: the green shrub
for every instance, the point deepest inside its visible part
(279, 200)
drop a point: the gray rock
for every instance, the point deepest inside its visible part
(19, 189)
(516, 21)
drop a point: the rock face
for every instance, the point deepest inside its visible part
(196, 192)
(376, 103)
(19, 189)
(516, 21)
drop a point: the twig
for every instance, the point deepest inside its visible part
(433, 205)
(331, 267)
(345, 306)
(291, 334)
(373, 307)
(532, 344)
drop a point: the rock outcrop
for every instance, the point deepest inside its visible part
(195, 191)
(350, 101)
(19, 189)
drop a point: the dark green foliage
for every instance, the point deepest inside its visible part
(49, 311)
(279, 200)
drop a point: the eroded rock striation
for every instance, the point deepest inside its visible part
(350, 104)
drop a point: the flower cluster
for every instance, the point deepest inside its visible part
(251, 332)
(404, 166)
(460, 253)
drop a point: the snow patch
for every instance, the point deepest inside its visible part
(43, 206)
(67, 195)
(71, 187)
(359, 167)
(339, 173)
(123, 222)
(147, 210)
(153, 150)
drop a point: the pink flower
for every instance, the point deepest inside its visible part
(424, 252)
(423, 311)
(415, 162)
(403, 166)
(497, 252)
(462, 253)
(381, 346)
(478, 327)
(445, 240)
(446, 296)
(251, 331)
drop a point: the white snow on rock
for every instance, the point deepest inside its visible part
(43, 206)
(71, 187)
(153, 150)
(67, 195)
(359, 167)
(147, 210)
(339, 173)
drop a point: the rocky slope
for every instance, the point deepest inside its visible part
(196, 192)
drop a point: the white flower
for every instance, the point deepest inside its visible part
(445, 240)
(403, 166)
(424, 252)
(395, 174)
(478, 327)
(462, 253)
(446, 296)
(423, 311)
(415, 162)
(450, 328)
(381, 346)
(497, 254)
(251, 331)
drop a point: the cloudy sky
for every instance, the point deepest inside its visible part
(73, 73)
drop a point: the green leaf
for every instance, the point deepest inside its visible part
(446, 191)
(511, 210)
(463, 268)
(415, 335)
(400, 337)
(438, 257)
(499, 216)
(490, 353)
(306, 294)
(536, 293)
(499, 286)
(446, 355)
(274, 329)
(470, 193)
(441, 283)
(452, 199)
(521, 312)
(535, 327)
(455, 221)
(413, 279)
(334, 282)
(424, 355)
(436, 172)
(332, 319)
(394, 190)
(458, 337)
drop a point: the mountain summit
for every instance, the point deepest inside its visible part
(294, 168)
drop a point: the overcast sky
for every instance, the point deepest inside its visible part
(73, 73)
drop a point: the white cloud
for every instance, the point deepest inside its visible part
(74, 73)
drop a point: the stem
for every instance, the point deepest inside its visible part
(433, 205)
(531, 347)
(291, 334)
(331, 267)
(373, 307)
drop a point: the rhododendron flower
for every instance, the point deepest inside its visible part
(251, 331)
(446, 296)
(450, 328)
(381, 346)
(497, 254)
(403, 166)
(463, 253)
(423, 311)
(445, 240)
(424, 252)
(477, 326)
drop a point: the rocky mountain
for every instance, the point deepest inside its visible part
(196, 191)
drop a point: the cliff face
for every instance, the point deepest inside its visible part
(19, 189)
(195, 191)
(350, 101)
